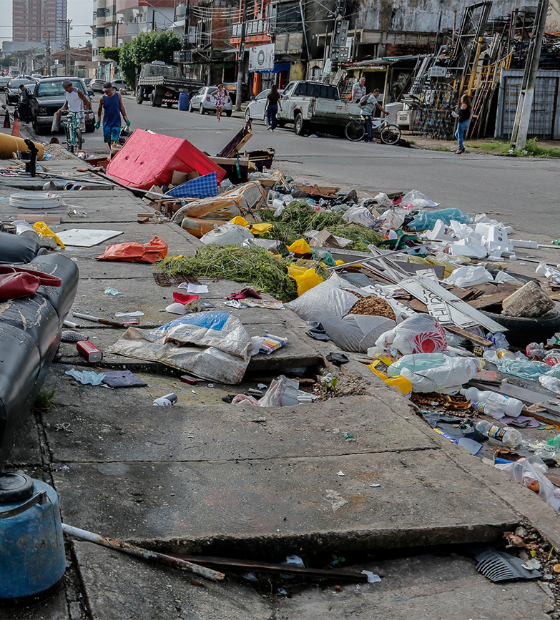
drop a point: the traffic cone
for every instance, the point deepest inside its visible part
(7, 120)
(15, 130)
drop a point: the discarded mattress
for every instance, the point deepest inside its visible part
(210, 345)
(149, 158)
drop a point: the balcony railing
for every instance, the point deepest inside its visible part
(253, 27)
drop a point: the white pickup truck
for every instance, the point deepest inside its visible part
(314, 104)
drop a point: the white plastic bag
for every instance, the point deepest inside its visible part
(435, 372)
(393, 219)
(469, 276)
(227, 234)
(359, 215)
(383, 200)
(418, 334)
(418, 200)
(211, 345)
(530, 473)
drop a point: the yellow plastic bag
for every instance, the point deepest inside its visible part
(300, 247)
(44, 231)
(260, 229)
(399, 384)
(240, 221)
(306, 280)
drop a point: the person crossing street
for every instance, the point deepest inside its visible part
(111, 107)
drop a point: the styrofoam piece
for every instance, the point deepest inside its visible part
(84, 238)
(521, 243)
(470, 251)
(438, 232)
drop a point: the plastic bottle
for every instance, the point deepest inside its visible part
(508, 436)
(493, 404)
(165, 401)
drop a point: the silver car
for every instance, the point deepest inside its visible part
(255, 109)
(204, 101)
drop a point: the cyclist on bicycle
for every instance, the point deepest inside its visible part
(370, 105)
(76, 101)
(111, 105)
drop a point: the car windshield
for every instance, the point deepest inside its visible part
(15, 84)
(55, 89)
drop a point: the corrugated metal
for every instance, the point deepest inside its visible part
(544, 122)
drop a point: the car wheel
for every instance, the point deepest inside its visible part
(191, 109)
(201, 110)
(228, 112)
(247, 114)
(140, 96)
(300, 126)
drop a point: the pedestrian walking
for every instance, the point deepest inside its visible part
(220, 100)
(24, 107)
(271, 106)
(463, 116)
(76, 102)
(112, 107)
(368, 107)
(359, 90)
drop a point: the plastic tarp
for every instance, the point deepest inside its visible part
(149, 158)
(132, 252)
(210, 345)
(426, 220)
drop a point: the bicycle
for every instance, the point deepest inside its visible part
(74, 138)
(355, 130)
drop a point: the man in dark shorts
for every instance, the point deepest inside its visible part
(111, 106)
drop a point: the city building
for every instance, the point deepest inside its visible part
(35, 21)
(136, 16)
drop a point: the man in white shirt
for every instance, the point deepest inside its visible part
(368, 112)
(75, 102)
(358, 90)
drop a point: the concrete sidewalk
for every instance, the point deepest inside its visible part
(209, 478)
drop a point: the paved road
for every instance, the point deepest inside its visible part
(523, 192)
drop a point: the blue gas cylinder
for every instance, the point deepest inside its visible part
(184, 101)
(32, 559)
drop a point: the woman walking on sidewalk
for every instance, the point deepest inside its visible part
(463, 116)
(220, 98)
(271, 108)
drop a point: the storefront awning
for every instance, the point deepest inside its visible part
(279, 67)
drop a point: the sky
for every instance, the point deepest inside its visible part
(79, 11)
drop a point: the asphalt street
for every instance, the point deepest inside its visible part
(522, 192)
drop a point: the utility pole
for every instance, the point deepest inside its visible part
(241, 60)
(527, 93)
(48, 54)
(68, 60)
(153, 19)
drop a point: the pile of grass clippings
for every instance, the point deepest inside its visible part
(251, 265)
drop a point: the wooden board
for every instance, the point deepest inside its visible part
(34, 217)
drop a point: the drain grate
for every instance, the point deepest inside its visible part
(500, 566)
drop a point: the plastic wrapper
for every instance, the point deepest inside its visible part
(531, 473)
(392, 219)
(522, 368)
(360, 215)
(383, 200)
(548, 272)
(300, 247)
(469, 276)
(133, 252)
(417, 200)
(435, 372)
(534, 349)
(418, 334)
(552, 357)
(550, 383)
(44, 231)
(210, 345)
(426, 219)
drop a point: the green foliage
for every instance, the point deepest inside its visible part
(251, 265)
(111, 53)
(44, 399)
(532, 148)
(5, 62)
(146, 47)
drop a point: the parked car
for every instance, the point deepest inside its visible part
(4, 82)
(204, 101)
(49, 96)
(12, 90)
(119, 85)
(36, 76)
(97, 85)
(255, 109)
(87, 81)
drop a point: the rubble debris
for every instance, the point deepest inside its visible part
(528, 301)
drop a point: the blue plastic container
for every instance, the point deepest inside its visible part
(184, 101)
(32, 559)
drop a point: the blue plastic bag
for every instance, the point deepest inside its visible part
(425, 220)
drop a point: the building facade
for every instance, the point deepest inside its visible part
(35, 21)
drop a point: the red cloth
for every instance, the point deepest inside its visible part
(246, 292)
(184, 299)
(133, 252)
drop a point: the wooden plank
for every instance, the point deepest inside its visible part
(33, 217)
(468, 336)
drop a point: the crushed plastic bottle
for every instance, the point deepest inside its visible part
(165, 401)
(508, 436)
(493, 404)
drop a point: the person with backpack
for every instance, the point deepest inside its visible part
(368, 103)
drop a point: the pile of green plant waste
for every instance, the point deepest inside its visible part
(361, 236)
(251, 265)
(300, 217)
